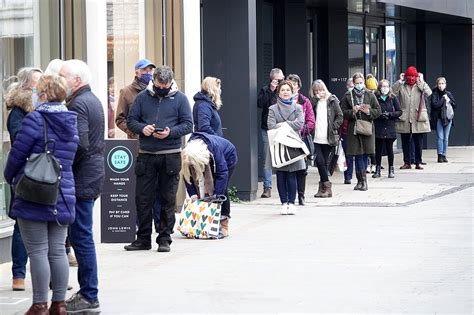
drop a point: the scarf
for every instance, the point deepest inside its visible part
(285, 102)
(53, 107)
(359, 96)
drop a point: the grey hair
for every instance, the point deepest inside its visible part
(54, 67)
(78, 68)
(441, 79)
(319, 85)
(163, 74)
(274, 72)
(23, 78)
(294, 78)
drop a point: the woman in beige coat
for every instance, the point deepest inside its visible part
(414, 121)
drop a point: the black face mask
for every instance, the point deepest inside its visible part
(161, 92)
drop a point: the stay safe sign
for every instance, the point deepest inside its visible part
(118, 212)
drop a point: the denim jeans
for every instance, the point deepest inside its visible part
(442, 133)
(286, 184)
(349, 160)
(82, 241)
(267, 172)
(48, 260)
(361, 162)
(19, 254)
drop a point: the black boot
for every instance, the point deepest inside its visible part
(301, 185)
(440, 158)
(364, 186)
(359, 179)
(377, 172)
(445, 160)
(391, 172)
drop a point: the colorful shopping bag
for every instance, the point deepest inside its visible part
(200, 219)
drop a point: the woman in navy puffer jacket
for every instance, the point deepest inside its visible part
(42, 227)
(207, 103)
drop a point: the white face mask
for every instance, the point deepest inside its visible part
(34, 98)
(385, 90)
(359, 86)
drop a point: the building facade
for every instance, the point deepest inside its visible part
(239, 42)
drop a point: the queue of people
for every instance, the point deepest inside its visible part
(59, 106)
(366, 120)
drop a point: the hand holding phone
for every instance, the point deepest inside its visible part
(159, 129)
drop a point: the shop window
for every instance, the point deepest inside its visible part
(356, 40)
(141, 29)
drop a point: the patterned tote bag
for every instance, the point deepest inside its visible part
(200, 219)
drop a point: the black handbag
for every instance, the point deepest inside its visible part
(42, 176)
(308, 141)
(332, 158)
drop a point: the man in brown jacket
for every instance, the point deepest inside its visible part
(143, 75)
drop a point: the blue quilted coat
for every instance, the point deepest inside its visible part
(62, 130)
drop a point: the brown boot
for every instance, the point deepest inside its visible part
(327, 190)
(320, 191)
(225, 227)
(38, 309)
(58, 308)
(18, 284)
(364, 186)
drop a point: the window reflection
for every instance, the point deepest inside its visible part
(356, 45)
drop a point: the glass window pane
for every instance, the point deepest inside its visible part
(390, 54)
(356, 45)
(17, 33)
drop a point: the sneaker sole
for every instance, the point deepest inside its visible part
(164, 250)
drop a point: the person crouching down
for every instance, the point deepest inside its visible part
(210, 159)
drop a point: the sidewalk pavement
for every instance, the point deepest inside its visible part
(404, 246)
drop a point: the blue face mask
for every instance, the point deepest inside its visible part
(146, 78)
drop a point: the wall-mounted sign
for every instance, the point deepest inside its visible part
(118, 213)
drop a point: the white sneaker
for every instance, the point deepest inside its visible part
(291, 209)
(284, 209)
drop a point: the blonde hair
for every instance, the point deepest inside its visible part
(357, 75)
(195, 155)
(53, 87)
(212, 86)
(319, 85)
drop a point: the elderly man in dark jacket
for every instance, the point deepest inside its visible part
(161, 116)
(267, 96)
(89, 175)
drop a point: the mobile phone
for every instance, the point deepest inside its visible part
(158, 129)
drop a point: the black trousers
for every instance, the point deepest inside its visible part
(380, 144)
(321, 152)
(225, 208)
(417, 141)
(149, 168)
(301, 180)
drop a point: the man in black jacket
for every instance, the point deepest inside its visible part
(161, 116)
(266, 98)
(89, 172)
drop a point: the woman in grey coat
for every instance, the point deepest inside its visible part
(287, 110)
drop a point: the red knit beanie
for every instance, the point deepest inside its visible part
(411, 71)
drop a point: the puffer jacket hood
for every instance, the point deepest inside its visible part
(19, 98)
(60, 123)
(202, 96)
(173, 91)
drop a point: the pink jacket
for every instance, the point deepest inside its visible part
(308, 114)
